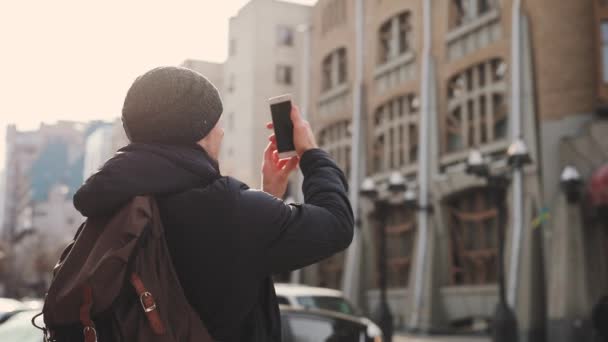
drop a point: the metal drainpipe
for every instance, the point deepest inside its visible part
(516, 132)
(350, 281)
(296, 276)
(423, 168)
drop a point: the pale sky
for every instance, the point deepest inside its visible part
(74, 59)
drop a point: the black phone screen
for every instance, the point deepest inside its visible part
(283, 127)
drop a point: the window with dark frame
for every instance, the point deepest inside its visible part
(477, 112)
(284, 74)
(285, 35)
(395, 135)
(466, 11)
(334, 69)
(393, 37)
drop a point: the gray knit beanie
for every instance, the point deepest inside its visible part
(171, 105)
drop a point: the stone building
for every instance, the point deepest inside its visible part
(562, 90)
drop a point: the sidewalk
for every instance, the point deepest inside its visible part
(406, 338)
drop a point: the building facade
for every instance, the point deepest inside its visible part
(43, 170)
(264, 60)
(562, 95)
(214, 72)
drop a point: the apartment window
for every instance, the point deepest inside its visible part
(395, 143)
(285, 36)
(232, 47)
(477, 111)
(473, 229)
(604, 33)
(393, 37)
(466, 11)
(284, 74)
(231, 83)
(334, 69)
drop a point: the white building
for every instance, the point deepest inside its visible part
(98, 149)
(214, 72)
(265, 54)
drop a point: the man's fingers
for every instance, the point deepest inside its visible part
(272, 138)
(268, 152)
(275, 157)
(269, 125)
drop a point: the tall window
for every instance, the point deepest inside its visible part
(284, 36)
(604, 33)
(284, 74)
(477, 111)
(334, 69)
(465, 11)
(473, 231)
(396, 133)
(393, 37)
(336, 140)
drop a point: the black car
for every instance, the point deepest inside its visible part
(311, 325)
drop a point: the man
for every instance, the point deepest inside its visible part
(226, 240)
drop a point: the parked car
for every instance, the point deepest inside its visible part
(309, 297)
(18, 328)
(9, 306)
(314, 325)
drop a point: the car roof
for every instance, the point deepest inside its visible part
(9, 305)
(283, 289)
(321, 313)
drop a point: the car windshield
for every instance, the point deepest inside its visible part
(336, 304)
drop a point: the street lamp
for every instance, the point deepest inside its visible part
(370, 190)
(571, 182)
(505, 321)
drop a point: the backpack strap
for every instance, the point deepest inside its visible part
(90, 334)
(148, 304)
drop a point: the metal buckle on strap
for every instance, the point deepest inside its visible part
(143, 305)
(89, 328)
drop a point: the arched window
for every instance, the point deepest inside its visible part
(395, 134)
(463, 12)
(334, 69)
(336, 140)
(394, 37)
(477, 111)
(473, 228)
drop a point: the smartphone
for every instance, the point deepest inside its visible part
(280, 109)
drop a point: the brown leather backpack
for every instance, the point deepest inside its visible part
(116, 282)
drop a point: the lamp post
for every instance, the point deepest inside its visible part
(505, 321)
(382, 204)
(571, 183)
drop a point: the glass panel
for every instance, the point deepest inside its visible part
(604, 29)
(336, 304)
